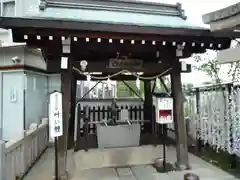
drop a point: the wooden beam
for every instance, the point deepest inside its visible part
(220, 14)
(228, 55)
(103, 66)
(226, 24)
(178, 114)
(200, 37)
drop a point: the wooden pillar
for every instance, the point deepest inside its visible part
(148, 103)
(199, 141)
(66, 80)
(178, 113)
(72, 118)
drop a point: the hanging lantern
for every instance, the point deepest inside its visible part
(158, 83)
(138, 83)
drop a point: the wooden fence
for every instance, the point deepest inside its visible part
(20, 155)
(100, 109)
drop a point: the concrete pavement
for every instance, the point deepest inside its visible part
(44, 169)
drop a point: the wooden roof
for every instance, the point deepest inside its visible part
(221, 14)
(122, 16)
(224, 19)
(162, 27)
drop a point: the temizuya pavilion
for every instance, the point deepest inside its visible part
(97, 30)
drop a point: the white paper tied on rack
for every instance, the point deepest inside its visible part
(124, 114)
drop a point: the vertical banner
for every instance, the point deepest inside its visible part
(55, 115)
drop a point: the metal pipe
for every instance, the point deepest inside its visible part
(105, 123)
(164, 85)
(130, 121)
(89, 91)
(154, 86)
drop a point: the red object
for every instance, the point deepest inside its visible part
(165, 113)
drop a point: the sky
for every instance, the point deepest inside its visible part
(194, 9)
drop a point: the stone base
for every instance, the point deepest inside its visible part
(191, 176)
(62, 177)
(158, 165)
(116, 157)
(182, 167)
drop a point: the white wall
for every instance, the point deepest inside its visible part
(30, 57)
(54, 82)
(32, 89)
(12, 109)
(7, 53)
(37, 87)
(18, 8)
(33, 58)
(36, 97)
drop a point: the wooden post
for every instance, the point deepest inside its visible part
(66, 80)
(72, 118)
(199, 141)
(148, 104)
(179, 122)
(79, 114)
(63, 140)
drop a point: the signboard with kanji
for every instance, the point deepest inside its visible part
(164, 110)
(55, 115)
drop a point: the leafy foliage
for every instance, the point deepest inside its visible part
(211, 67)
(124, 91)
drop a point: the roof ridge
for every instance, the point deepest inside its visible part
(130, 6)
(223, 13)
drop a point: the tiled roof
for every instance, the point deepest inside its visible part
(125, 12)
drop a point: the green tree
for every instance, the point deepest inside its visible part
(124, 91)
(211, 67)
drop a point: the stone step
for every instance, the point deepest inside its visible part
(117, 157)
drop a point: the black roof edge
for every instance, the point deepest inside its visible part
(20, 22)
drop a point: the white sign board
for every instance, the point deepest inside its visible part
(55, 115)
(164, 110)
